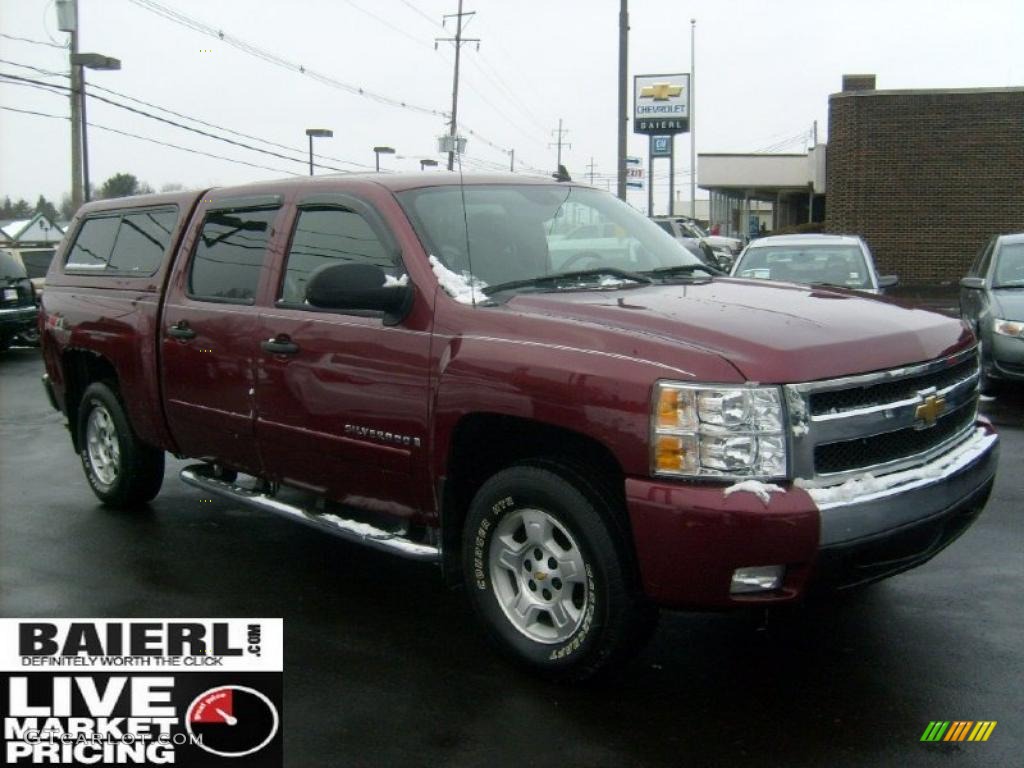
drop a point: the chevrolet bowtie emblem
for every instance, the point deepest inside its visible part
(660, 91)
(929, 411)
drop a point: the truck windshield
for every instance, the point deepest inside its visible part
(519, 233)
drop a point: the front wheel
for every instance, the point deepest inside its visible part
(122, 470)
(546, 569)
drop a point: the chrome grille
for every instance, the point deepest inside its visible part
(874, 422)
(836, 401)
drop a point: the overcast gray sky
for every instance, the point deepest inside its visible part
(764, 70)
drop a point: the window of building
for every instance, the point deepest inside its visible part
(330, 236)
(230, 254)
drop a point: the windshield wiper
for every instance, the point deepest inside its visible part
(560, 276)
(683, 269)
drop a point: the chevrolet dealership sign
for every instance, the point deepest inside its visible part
(661, 104)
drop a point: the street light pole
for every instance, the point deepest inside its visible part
(693, 131)
(378, 151)
(319, 133)
(82, 62)
(623, 91)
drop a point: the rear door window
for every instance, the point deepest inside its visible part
(94, 244)
(229, 255)
(330, 236)
(142, 241)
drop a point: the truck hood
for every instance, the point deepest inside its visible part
(770, 332)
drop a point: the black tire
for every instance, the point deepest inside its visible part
(134, 473)
(30, 336)
(612, 618)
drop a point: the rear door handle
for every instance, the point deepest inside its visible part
(180, 330)
(280, 345)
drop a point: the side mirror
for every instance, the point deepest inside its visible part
(359, 286)
(976, 283)
(888, 281)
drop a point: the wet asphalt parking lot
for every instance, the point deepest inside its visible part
(384, 666)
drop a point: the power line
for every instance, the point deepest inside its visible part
(93, 86)
(155, 141)
(34, 42)
(420, 13)
(39, 83)
(268, 56)
(272, 58)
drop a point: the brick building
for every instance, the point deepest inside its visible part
(925, 176)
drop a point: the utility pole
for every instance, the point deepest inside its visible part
(67, 13)
(621, 118)
(590, 168)
(559, 132)
(512, 161)
(693, 129)
(458, 40)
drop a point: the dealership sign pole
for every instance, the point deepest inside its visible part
(661, 109)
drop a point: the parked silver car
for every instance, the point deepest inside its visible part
(842, 261)
(992, 303)
(711, 249)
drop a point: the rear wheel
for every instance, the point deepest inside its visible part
(122, 470)
(547, 572)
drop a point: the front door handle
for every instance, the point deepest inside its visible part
(280, 345)
(180, 330)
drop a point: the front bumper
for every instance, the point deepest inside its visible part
(15, 319)
(1005, 358)
(690, 537)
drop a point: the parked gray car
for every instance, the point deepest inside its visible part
(992, 303)
(842, 261)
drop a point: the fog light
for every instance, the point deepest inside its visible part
(763, 578)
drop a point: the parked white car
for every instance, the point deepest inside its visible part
(842, 261)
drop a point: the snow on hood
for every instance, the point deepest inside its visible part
(464, 288)
(390, 281)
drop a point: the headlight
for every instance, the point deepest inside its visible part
(1008, 327)
(708, 431)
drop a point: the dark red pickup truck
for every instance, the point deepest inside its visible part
(579, 423)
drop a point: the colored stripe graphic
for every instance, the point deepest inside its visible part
(982, 730)
(958, 730)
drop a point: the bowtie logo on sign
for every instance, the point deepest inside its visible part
(195, 692)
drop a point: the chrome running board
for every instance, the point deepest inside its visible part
(201, 476)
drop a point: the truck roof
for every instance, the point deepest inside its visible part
(396, 182)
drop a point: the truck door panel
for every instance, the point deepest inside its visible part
(343, 411)
(209, 336)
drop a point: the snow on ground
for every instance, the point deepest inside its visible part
(763, 491)
(464, 288)
(866, 485)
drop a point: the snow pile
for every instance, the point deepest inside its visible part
(866, 486)
(464, 288)
(390, 281)
(763, 491)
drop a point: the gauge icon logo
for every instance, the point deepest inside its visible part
(232, 721)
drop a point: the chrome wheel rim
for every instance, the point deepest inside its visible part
(102, 445)
(538, 575)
